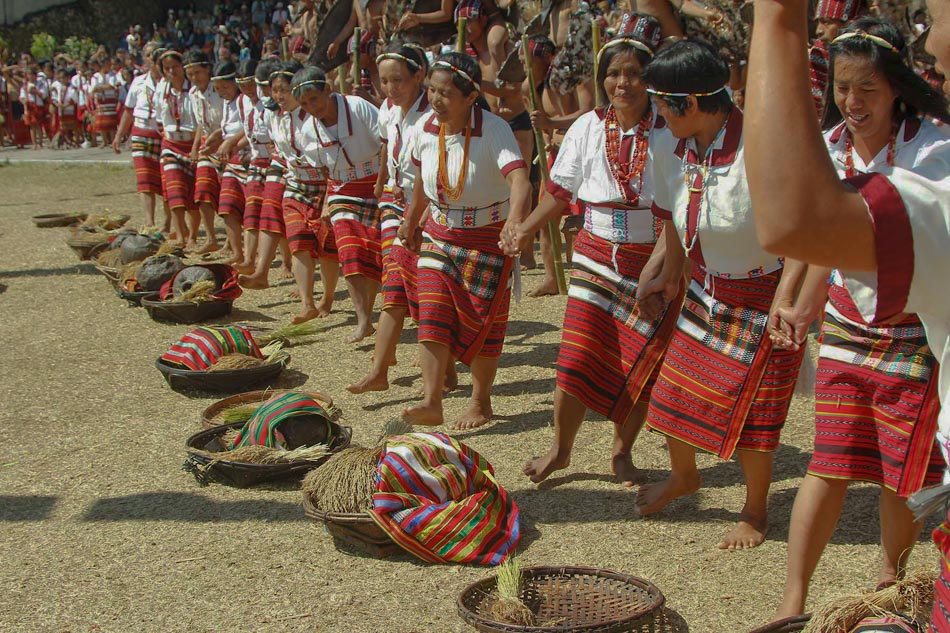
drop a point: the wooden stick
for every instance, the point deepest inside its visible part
(595, 31)
(460, 40)
(285, 48)
(357, 36)
(553, 226)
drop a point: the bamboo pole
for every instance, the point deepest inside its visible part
(357, 37)
(595, 31)
(554, 231)
(285, 48)
(460, 40)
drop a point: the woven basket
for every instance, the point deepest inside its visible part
(230, 381)
(112, 274)
(134, 298)
(51, 220)
(185, 311)
(87, 245)
(241, 474)
(207, 417)
(569, 599)
(785, 625)
(353, 531)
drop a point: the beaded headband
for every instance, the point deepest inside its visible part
(400, 58)
(874, 39)
(229, 76)
(310, 82)
(193, 64)
(245, 80)
(170, 53)
(660, 93)
(637, 44)
(281, 73)
(444, 65)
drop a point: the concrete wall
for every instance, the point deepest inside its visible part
(12, 11)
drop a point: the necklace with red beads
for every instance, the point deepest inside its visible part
(628, 168)
(849, 170)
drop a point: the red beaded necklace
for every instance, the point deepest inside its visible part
(632, 167)
(849, 170)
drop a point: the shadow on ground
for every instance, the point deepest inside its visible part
(25, 508)
(190, 508)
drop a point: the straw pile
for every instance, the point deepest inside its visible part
(912, 596)
(230, 362)
(106, 222)
(111, 258)
(507, 605)
(239, 413)
(256, 454)
(200, 291)
(345, 483)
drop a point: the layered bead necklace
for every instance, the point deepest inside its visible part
(627, 168)
(696, 186)
(453, 193)
(849, 170)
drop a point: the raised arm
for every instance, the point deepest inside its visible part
(802, 210)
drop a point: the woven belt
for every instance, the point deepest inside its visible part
(470, 218)
(144, 124)
(179, 137)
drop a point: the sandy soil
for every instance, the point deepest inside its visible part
(102, 531)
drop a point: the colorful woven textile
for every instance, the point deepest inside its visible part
(464, 290)
(254, 193)
(261, 429)
(355, 216)
(940, 619)
(438, 499)
(399, 263)
(272, 206)
(199, 349)
(227, 280)
(146, 156)
(207, 183)
(178, 174)
(609, 358)
(231, 198)
(303, 212)
(722, 386)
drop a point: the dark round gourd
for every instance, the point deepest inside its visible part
(136, 248)
(189, 276)
(155, 271)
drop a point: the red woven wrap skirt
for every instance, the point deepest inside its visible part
(272, 206)
(254, 193)
(354, 213)
(231, 197)
(178, 174)
(722, 385)
(146, 158)
(609, 357)
(399, 263)
(940, 619)
(876, 402)
(306, 230)
(207, 183)
(464, 289)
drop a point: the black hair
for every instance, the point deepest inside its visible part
(312, 75)
(265, 68)
(286, 69)
(222, 69)
(468, 66)
(409, 52)
(915, 97)
(621, 47)
(247, 69)
(196, 56)
(692, 67)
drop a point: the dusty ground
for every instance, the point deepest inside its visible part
(102, 531)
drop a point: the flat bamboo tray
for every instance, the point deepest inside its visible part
(186, 311)
(353, 531)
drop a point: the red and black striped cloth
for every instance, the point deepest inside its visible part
(354, 214)
(146, 158)
(399, 263)
(178, 175)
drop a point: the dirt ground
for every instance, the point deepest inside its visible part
(102, 530)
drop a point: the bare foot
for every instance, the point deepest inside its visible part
(293, 294)
(547, 288)
(253, 283)
(325, 307)
(209, 247)
(749, 532)
(191, 246)
(626, 473)
(360, 333)
(234, 261)
(540, 468)
(476, 414)
(285, 273)
(527, 260)
(651, 498)
(423, 415)
(244, 268)
(305, 315)
(451, 380)
(369, 383)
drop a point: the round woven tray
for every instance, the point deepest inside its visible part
(134, 298)
(207, 417)
(352, 531)
(241, 474)
(112, 274)
(785, 625)
(568, 599)
(185, 311)
(87, 248)
(52, 220)
(230, 381)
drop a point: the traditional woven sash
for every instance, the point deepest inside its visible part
(261, 429)
(199, 349)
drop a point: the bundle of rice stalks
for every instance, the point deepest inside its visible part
(129, 273)
(263, 455)
(107, 222)
(394, 427)
(199, 291)
(507, 605)
(240, 413)
(167, 248)
(346, 482)
(229, 362)
(912, 596)
(288, 333)
(111, 258)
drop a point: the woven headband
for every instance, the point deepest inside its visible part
(193, 64)
(660, 93)
(637, 44)
(281, 73)
(444, 65)
(874, 39)
(246, 80)
(260, 82)
(309, 82)
(399, 58)
(230, 76)
(170, 53)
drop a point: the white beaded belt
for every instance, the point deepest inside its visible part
(179, 137)
(470, 217)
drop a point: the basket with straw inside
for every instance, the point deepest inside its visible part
(241, 407)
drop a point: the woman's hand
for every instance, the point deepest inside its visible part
(513, 239)
(540, 120)
(411, 238)
(408, 21)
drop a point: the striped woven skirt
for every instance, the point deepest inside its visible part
(609, 358)
(231, 198)
(254, 193)
(106, 119)
(207, 182)
(146, 158)
(306, 231)
(272, 206)
(940, 618)
(354, 213)
(876, 402)
(399, 263)
(722, 386)
(464, 289)
(178, 175)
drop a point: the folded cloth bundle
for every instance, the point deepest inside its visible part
(202, 347)
(438, 499)
(262, 429)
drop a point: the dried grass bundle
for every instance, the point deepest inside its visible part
(507, 605)
(346, 482)
(912, 596)
(290, 332)
(129, 272)
(107, 222)
(394, 427)
(239, 413)
(167, 248)
(264, 455)
(200, 291)
(235, 361)
(111, 258)
(87, 238)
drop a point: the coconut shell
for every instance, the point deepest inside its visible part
(189, 276)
